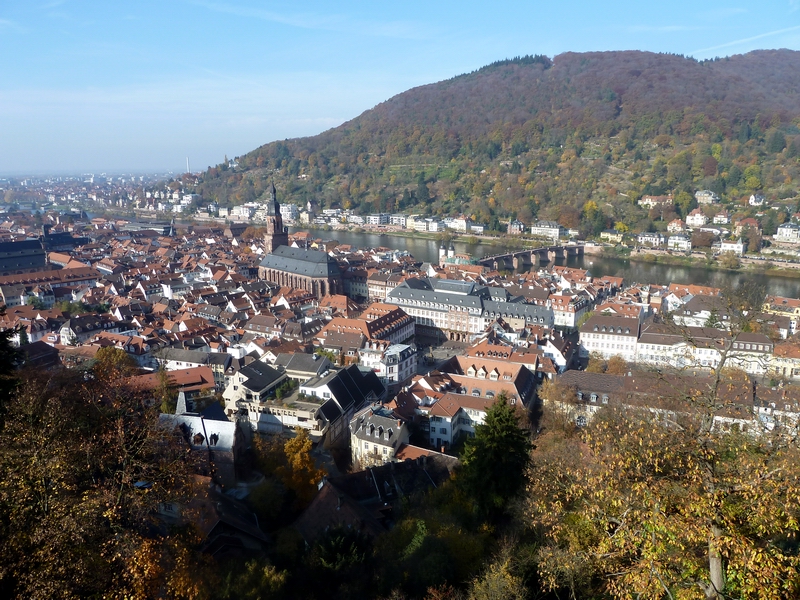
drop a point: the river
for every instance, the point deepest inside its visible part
(633, 271)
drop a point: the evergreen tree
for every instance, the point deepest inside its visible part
(495, 461)
(776, 142)
(9, 358)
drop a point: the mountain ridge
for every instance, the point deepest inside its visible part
(522, 109)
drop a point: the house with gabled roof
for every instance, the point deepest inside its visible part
(342, 393)
(487, 378)
(302, 367)
(455, 416)
(376, 433)
(251, 386)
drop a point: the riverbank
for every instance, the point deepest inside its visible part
(471, 239)
(702, 261)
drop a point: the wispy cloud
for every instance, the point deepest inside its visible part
(323, 22)
(747, 40)
(660, 28)
(7, 25)
(723, 13)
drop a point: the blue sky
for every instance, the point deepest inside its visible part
(87, 86)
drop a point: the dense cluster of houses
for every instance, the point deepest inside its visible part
(351, 361)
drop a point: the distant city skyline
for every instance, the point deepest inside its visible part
(92, 86)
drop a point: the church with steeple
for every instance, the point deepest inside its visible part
(276, 234)
(310, 270)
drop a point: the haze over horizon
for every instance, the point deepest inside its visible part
(140, 88)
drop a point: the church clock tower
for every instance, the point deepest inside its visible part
(276, 234)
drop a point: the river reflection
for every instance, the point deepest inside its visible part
(633, 271)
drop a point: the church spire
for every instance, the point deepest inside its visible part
(276, 234)
(273, 208)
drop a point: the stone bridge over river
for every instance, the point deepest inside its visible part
(524, 259)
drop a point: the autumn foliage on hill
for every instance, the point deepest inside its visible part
(532, 137)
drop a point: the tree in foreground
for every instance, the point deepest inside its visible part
(300, 474)
(9, 356)
(617, 365)
(84, 466)
(495, 461)
(596, 364)
(654, 510)
(498, 580)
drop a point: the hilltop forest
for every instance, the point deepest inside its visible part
(577, 139)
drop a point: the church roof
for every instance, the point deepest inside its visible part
(311, 263)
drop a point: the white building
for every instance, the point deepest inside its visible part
(569, 308)
(722, 218)
(460, 224)
(419, 224)
(651, 239)
(441, 305)
(698, 347)
(735, 246)
(394, 364)
(653, 201)
(548, 229)
(788, 232)
(676, 226)
(679, 242)
(706, 197)
(435, 225)
(461, 309)
(244, 211)
(454, 416)
(757, 200)
(696, 218)
(609, 336)
(289, 212)
(378, 219)
(251, 385)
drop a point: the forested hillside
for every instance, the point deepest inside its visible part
(535, 138)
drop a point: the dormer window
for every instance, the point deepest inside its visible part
(593, 397)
